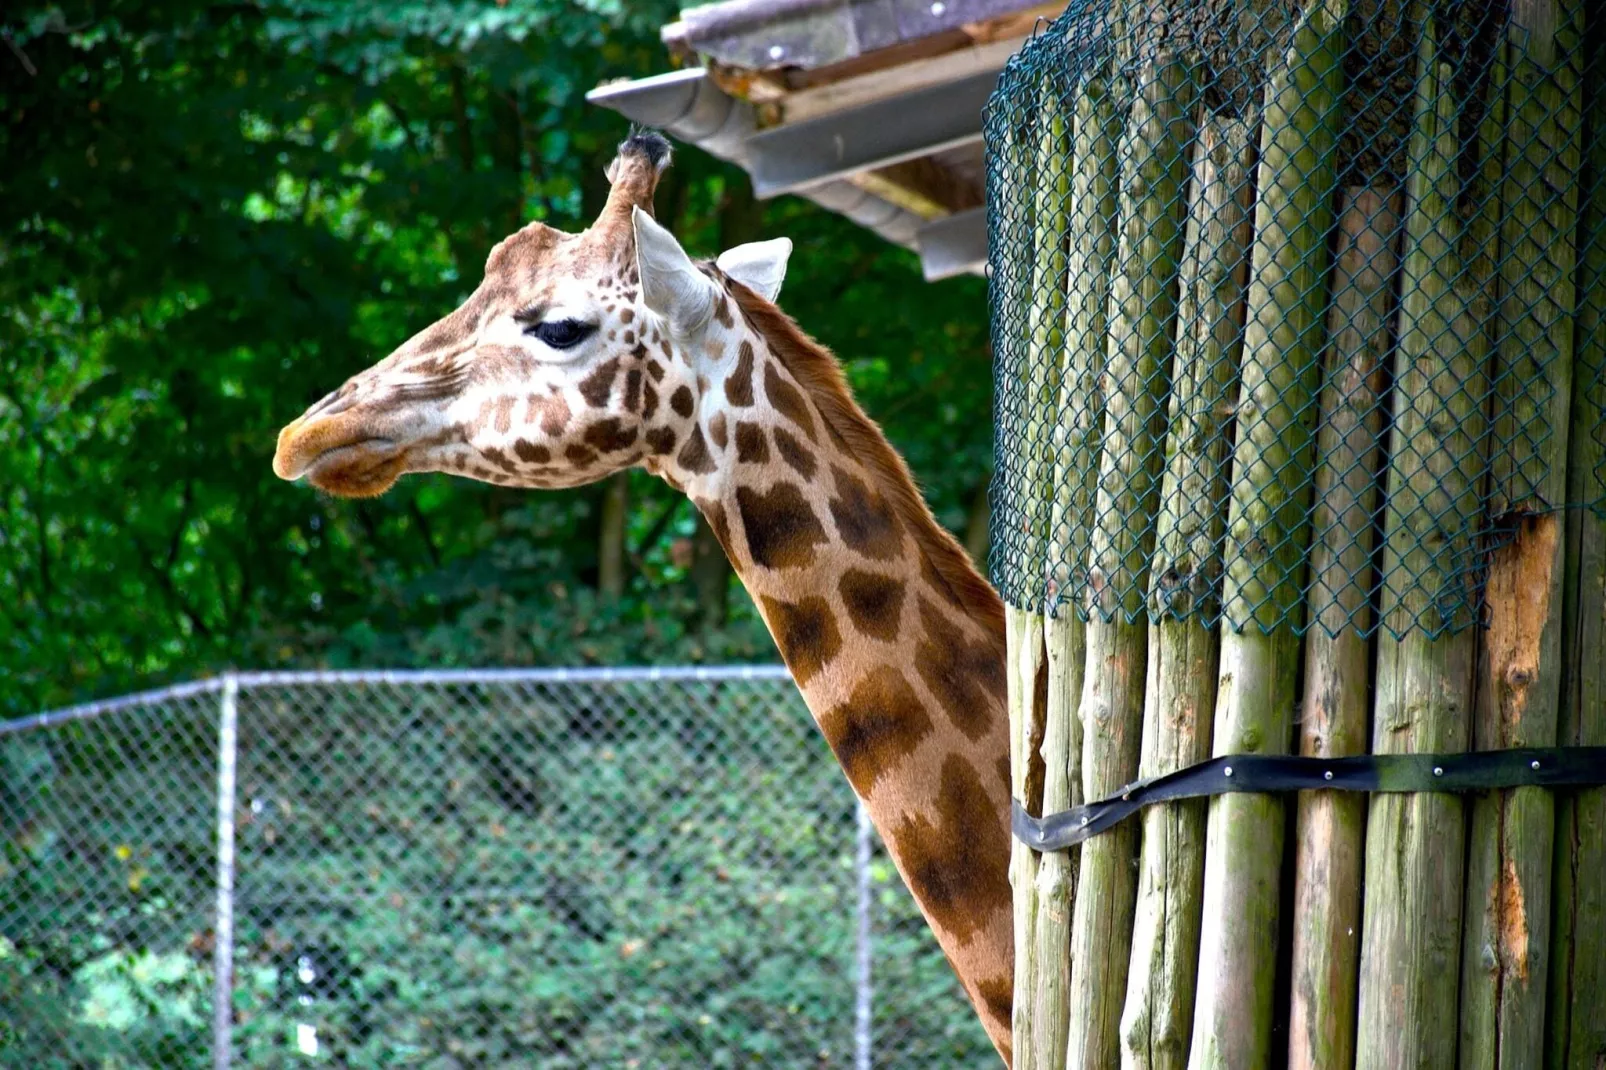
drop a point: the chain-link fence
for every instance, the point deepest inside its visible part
(1291, 304)
(543, 868)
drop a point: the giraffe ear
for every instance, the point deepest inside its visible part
(760, 265)
(671, 285)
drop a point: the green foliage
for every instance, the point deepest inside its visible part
(211, 214)
(480, 876)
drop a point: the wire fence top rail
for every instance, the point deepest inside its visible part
(622, 674)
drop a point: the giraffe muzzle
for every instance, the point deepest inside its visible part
(338, 454)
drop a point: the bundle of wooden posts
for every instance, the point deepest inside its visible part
(1289, 478)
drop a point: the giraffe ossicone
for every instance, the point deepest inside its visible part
(579, 355)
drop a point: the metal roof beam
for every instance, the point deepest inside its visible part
(794, 157)
(685, 104)
(956, 245)
(689, 106)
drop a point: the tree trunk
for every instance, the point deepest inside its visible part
(1266, 535)
(977, 520)
(1045, 325)
(710, 577)
(1577, 994)
(1505, 957)
(1328, 841)
(1180, 695)
(611, 536)
(1411, 935)
(1153, 160)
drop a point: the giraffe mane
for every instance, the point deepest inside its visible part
(816, 368)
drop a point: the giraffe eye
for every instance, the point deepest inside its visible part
(560, 334)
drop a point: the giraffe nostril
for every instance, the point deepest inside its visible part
(333, 403)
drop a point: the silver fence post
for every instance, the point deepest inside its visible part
(223, 944)
(861, 1010)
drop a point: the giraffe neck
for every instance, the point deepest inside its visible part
(894, 640)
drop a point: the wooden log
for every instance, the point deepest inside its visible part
(1410, 940)
(1090, 245)
(1577, 997)
(1185, 591)
(1153, 164)
(1023, 635)
(1330, 824)
(1045, 324)
(1267, 530)
(1505, 960)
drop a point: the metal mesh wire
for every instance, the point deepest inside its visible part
(1293, 303)
(534, 869)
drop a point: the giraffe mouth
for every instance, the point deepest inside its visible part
(357, 470)
(329, 456)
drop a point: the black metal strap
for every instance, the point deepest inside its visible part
(1548, 767)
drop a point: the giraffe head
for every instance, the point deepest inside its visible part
(577, 356)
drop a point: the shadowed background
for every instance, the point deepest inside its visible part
(211, 212)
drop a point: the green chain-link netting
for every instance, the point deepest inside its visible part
(1294, 304)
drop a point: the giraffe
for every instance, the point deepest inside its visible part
(581, 355)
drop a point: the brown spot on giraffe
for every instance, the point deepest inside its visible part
(714, 513)
(997, 995)
(500, 459)
(531, 453)
(878, 727)
(633, 390)
(661, 440)
(863, 519)
(722, 312)
(805, 631)
(794, 453)
(751, 445)
(782, 531)
(504, 413)
(580, 456)
(716, 430)
(627, 315)
(694, 456)
(681, 401)
(739, 383)
(551, 412)
(874, 602)
(655, 370)
(963, 675)
(649, 403)
(953, 856)
(596, 387)
(788, 400)
(610, 435)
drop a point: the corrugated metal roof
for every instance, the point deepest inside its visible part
(809, 34)
(870, 108)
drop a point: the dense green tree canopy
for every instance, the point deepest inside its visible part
(210, 214)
